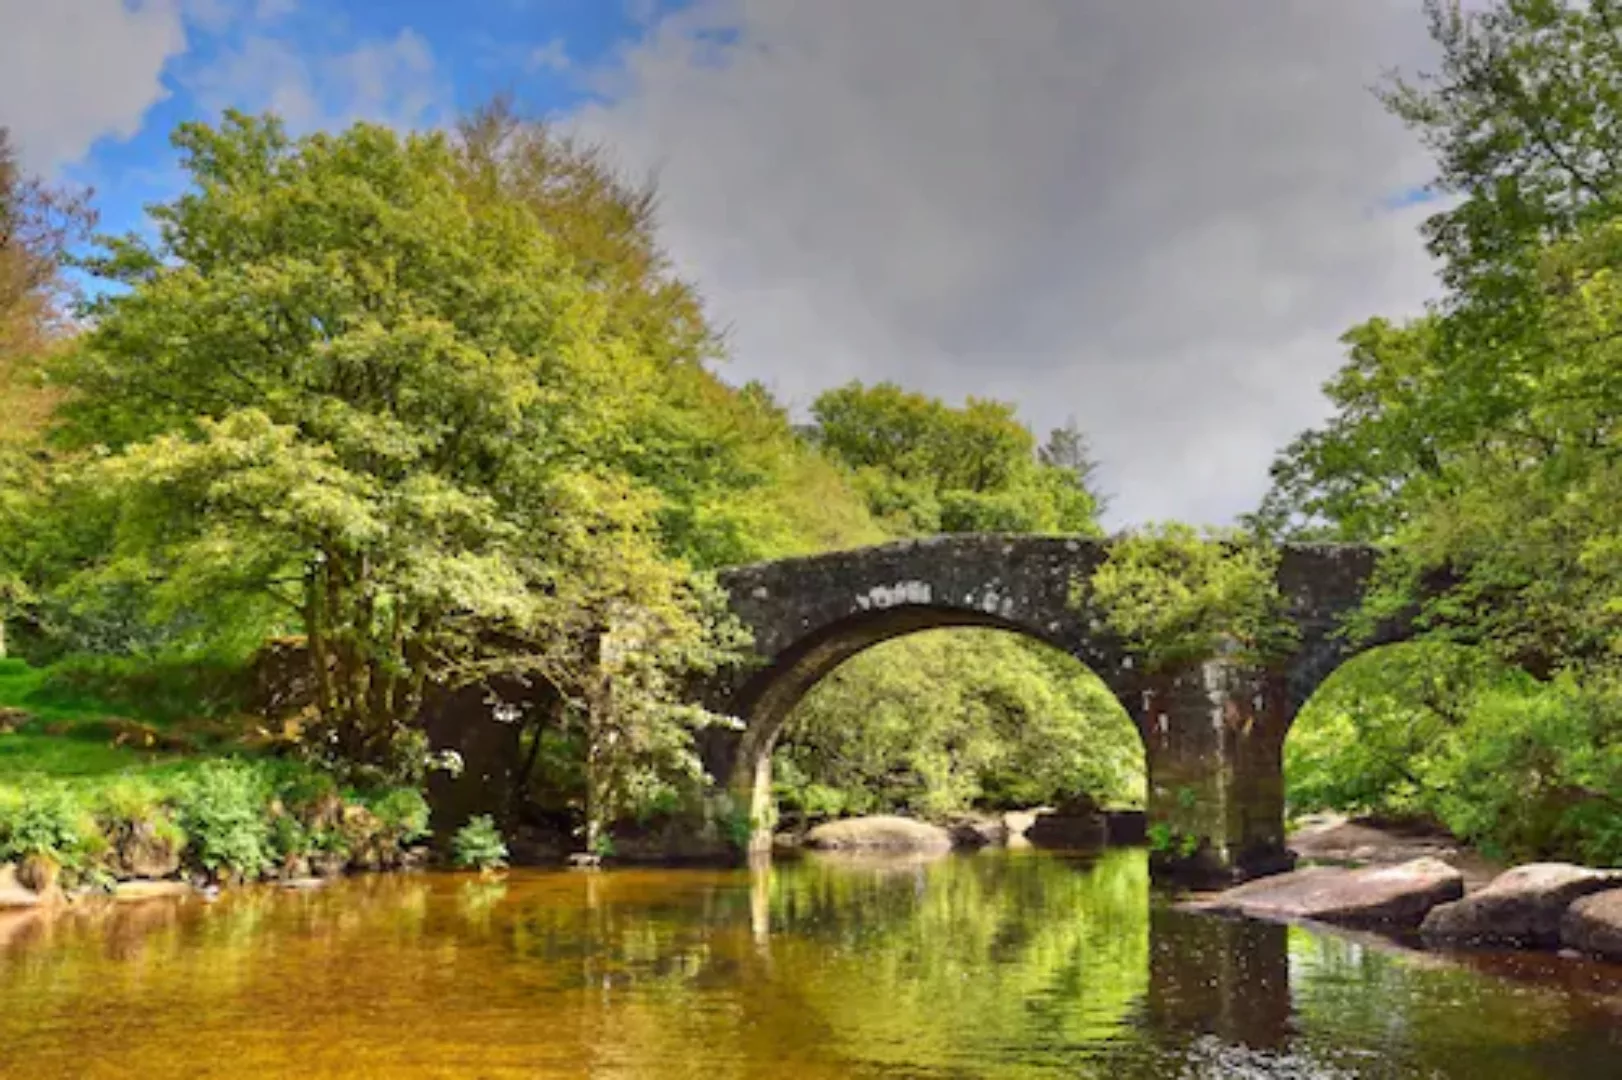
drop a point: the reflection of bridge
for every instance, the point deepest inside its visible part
(1213, 731)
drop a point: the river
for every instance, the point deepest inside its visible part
(1001, 964)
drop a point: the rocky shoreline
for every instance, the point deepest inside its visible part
(1547, 906)
(20, 891)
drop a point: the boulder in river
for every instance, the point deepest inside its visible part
(15, 894)
(880, 833)
(1593, 925)
(978, 830)
(1386, 896)
(1075, 823)
(1520, 907)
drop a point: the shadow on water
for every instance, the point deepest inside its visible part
(1000, 964)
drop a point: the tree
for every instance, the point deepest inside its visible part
(1481, 442)
(340, 384)
(1176, 595)
(739, 485)
(1522, 117)
(927, 467)
(38, 223)
(1482, 439)
(947, 720)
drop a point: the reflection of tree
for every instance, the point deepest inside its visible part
(938, 962)
(1430, 1013)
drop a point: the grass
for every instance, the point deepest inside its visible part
(71, 734)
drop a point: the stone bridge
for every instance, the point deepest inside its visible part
(1213, 732)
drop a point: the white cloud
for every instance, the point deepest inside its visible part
(1157, 218)
(394, 81)
(553, 56)
(74, 71)
(271, 10)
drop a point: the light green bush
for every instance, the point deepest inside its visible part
(478, 845)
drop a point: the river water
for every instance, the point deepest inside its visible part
(1002, 964)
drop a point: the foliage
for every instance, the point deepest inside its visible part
(1176, 595)
(351, 383)
(947, 720)
(222, 812)
(1480, 443)
(402, 814)
(927, 467)
(1360, 742)
(478, 845)
(38, 223)
(1432, 731)
(44, 821)
(738, 483)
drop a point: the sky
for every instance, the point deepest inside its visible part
(1153, 217)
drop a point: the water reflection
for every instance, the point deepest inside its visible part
(995, 965)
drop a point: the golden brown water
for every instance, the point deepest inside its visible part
(995, 965)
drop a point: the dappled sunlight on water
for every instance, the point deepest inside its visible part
(993, 965)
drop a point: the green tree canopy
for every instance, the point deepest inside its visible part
(927, 467)
(338, 383)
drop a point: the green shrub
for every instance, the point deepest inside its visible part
(402, 813)
(47, 820)
(478, 845)
(1517, 767)
(129, 803)
(224, 808)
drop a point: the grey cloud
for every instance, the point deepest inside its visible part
(1157, 217)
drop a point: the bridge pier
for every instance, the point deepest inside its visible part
(1213, 736)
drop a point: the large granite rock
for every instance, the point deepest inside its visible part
(978, 830)
(1071, 828)
(1593, 925)
(1520, 907)
(15, 894)
(880, 833)
(1386, 896)
(141, 851)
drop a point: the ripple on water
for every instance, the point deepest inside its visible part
(1022, 964)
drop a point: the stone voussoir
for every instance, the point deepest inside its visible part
(1378, 896)
(1522, 907)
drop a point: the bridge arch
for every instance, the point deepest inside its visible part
(1213, 732)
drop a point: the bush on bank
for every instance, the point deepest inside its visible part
(215, 820)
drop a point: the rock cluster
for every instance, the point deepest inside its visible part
(1522, 907)
(1539, 905)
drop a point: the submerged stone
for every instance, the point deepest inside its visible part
(136, 891)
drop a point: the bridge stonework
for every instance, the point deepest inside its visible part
(1213, 731)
